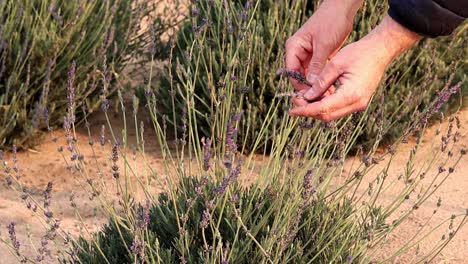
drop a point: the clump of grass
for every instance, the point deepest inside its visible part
(40, 39)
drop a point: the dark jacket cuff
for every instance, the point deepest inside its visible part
(426, 17)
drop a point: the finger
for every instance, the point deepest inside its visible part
(301, 101)
(330, 73)
(297, 54)
(316, 64)
(327, 105)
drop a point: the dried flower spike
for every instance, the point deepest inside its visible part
(294, 75)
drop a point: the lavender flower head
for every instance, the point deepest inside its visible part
(12, 234)
(105, 105)
(294, 75)
(231, 134)
(232, 176)
(444, 96)
(206, 153)
(143, 216)
(308, 188)
(115, 159)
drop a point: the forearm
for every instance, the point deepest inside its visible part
(392, 39)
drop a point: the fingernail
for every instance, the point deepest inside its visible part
(311, 77)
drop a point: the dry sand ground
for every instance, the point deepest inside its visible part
(45, 164)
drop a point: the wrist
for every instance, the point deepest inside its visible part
(349, 7)
(392, 38)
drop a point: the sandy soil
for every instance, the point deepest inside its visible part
(44, 163)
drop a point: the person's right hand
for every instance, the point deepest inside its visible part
(308, 50)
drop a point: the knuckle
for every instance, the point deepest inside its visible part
(316, 65)
(350, 96)
(320, 83)
(325, 110)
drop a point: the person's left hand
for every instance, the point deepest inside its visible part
(358, 68)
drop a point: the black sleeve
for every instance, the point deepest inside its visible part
(430, 18)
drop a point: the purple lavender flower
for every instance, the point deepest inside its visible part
(47, 194)
(205, 219)
(115, 159)
(228, 180)
(248, 5)
(294, 75)
(48, 214)
(306, 125)
(231, 133)
(307, 187)
(12, 235)
(244, 89)
(105, 105)
(444, 96)
(195, 12)
(137, 246)
(115, 153)
(143, 216)
(199, 188)
(206, 153)
(244, 16)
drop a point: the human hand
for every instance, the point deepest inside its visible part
(358, 68)
(319, 38)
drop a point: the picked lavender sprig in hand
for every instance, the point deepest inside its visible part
(295, 75)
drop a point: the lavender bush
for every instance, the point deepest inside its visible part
(221, 205)
(40, 39)
(234, 50)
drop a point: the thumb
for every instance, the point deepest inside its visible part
(316, 64)
(323, 81)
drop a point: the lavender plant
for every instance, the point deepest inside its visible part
(215, 29)
(302, 203)
(40, 39)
